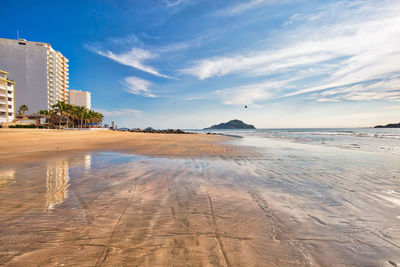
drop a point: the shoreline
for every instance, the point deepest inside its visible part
(27, 145)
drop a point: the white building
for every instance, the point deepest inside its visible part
(7, 105)
(80, 98)
(40, 73)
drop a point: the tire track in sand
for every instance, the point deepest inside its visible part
(104, 254)
(213, 221)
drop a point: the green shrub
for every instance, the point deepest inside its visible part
(23, 126)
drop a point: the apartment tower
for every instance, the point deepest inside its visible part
(40, 73)
(7, 105)
(80, 98)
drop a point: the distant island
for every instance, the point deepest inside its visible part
(233, 124)
(390, 125)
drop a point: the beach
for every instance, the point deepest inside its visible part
(80, 198)
(21, 145)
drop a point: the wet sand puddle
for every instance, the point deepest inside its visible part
(282, 206)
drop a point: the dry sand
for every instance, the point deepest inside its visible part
(22, 145)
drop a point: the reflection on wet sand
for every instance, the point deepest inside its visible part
(88, 161)
(290, 205)
(57, 183)
(6, 177)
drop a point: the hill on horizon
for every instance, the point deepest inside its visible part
(232, 124)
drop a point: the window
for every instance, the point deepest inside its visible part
(9, 99)
(10, 92)
(9, 106)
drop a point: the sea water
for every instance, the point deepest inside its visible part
(385, 140)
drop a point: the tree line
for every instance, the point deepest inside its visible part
(71, 115)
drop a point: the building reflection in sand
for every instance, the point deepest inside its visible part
(7, 177)
(58, 179)
(57, 183)
(88, 161)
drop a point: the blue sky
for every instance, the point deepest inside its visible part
(192, 63)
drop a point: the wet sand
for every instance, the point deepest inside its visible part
(144, 212)
(280, 204)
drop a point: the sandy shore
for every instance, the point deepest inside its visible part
(21, 145)
(64, 202)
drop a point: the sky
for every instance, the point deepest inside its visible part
(190, 64)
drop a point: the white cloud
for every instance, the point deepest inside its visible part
(327, 100)
(346, 43)
(137, 86)
(191, 98)
(372, 90)
(135, 58)
(172, 3)
(248, 5)
(393, 107)
(117, 112)
(249, 94)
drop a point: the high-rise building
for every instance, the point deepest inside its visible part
(7, 92)
(40, 72)
(80, 98)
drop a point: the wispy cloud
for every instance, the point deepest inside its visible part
(135, 57)
(172, 3)
(349, 44)
(393, 107)
(137, 86)
(388, 89)
(137, 54)
(118, 112)
(251, 93)
(248, 5)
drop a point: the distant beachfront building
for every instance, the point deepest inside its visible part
(80, 98)
(40, 72)
(7, 98)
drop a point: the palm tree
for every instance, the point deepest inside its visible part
(74, 116)
(43, 112)
(81, 113)
(68, 111)
(97, 117)
(60, 108)
(22, 109)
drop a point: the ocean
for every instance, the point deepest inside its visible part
(386, 140)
